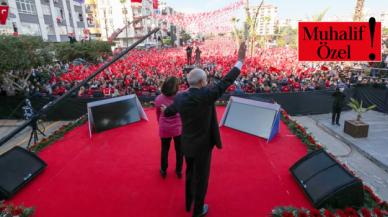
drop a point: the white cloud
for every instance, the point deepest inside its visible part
(188, 10)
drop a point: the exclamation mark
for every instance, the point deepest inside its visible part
(372, 25)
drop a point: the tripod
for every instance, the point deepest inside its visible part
(34, 133)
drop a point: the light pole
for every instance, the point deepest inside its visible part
(126, 21)
(153, 27)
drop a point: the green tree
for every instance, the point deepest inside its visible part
(358, 13)
(91, 51)
(185, 36)
(385, 30)
(362, 16)
(265, 20)
(317, 17)
(21, 54)
(234, 21)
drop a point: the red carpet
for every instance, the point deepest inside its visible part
(116, 173)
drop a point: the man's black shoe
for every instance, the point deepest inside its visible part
(188, 207)
(204, 212)
(163, 173)
(179, 174)
(338, 124)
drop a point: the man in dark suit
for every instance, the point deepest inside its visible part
(200, 131)
(339, 103)
(189, 50)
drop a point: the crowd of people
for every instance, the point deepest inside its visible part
(142, 72)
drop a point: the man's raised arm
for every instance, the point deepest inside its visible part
(219, 89)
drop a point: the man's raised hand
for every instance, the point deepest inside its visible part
(241, 52)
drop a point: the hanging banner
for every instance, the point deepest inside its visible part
(339, 41)
(3, 14)
(155, 4)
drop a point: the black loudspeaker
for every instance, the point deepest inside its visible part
(326, 182)
(17, 167)
(188, 69)
(261, 99)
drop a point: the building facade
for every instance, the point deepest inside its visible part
(384, 19)
(267, 18)
(53, 20)
(110, 16)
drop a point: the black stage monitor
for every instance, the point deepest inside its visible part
(17, 167)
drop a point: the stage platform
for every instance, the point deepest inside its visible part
(116, 173)
(375, 146)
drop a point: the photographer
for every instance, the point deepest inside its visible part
(339, 103)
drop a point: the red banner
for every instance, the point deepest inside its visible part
(339, 41)
(3, 14)
(155, 4)
(136, 1)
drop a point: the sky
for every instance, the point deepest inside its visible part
(287, 9)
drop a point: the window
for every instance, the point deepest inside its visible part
(26, 6)
(30, 29)
(59, 13)
(126, 21)
(62, 30)
(69, 14)
(7, 29)
(50, 30)
(110, 11)
(81, 32)
(71, 29)
(78, 17)
(46, 9)
(111, 22)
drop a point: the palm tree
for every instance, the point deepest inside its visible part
(265, 20)
(126, 22)
(362, 16)
(234, 21)
(357, 107)
(317, 17)
(358, 13)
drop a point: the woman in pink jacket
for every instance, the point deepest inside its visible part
(170, 127)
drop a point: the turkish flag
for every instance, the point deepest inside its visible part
(155, 4)
(136, 1)
(3, 14)
(324, 68)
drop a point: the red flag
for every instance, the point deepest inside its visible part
(324, 68)
(155, 4)
(54, 79)
(3, 14)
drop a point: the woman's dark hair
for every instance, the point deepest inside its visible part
(170, 86)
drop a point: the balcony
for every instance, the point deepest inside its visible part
(137, 35)
(138, 26)
(90, 2)
(90, 22)
(136, 5)
(88, 10)
(136, 16)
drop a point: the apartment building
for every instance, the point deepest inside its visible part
(384, 19)
(51, 19)
(267, 18)
(111, 15)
